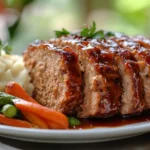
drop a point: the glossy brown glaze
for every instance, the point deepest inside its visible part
(144, 50)
(131, 63)
(136, 45)
(103, 54)
(113, 122)
(141, 52)
(71, 60)
(138, 84)
(145, 42)
(105, 65)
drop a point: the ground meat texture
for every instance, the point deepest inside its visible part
(132, 99)
(140, 54)
(141, 48)
(56, 76)
(102, 88)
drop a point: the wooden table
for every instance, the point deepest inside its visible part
(136, 143)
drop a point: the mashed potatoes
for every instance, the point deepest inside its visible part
(12, 69)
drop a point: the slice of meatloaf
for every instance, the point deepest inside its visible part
(132, 97)
(141, 54)
(102, 83)
(56, 76)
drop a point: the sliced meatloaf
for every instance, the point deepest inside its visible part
(56, 76)
(91, 77)
(141, 54)
(102, 82)
(144, 54)
(132, 98)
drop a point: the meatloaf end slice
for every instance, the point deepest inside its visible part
(56, 76)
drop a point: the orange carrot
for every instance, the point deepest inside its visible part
(52, 125)
(39, 110)
(15, 89)
(14, 122)
(34, 119)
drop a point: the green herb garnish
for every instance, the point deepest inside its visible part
(5, 47)
(99, 35)
(89, 32)
(61, 33)
(92, 33)
(73, 121)
(109, 33)
(102, 34)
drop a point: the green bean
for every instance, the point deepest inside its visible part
(9, 110)
(73, 121)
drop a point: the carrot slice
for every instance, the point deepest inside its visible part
(39, 110)
(52, 125)
(34, 119)
(15, 89)
(14, 122)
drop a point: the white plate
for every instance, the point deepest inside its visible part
(75, 136)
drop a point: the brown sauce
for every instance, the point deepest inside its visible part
(113, 122)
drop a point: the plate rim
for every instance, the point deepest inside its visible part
(76, 134)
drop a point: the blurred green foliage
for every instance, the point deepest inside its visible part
(14, 3)
(136, 14)
(39, 18)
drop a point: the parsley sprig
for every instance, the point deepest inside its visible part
(62, 32)
(5, 47)
(92, 33)
(88, 32)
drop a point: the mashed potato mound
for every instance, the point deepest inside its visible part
(12, 69)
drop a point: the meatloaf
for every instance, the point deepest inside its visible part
(126, 68)
(56, 76)
(91, 77)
